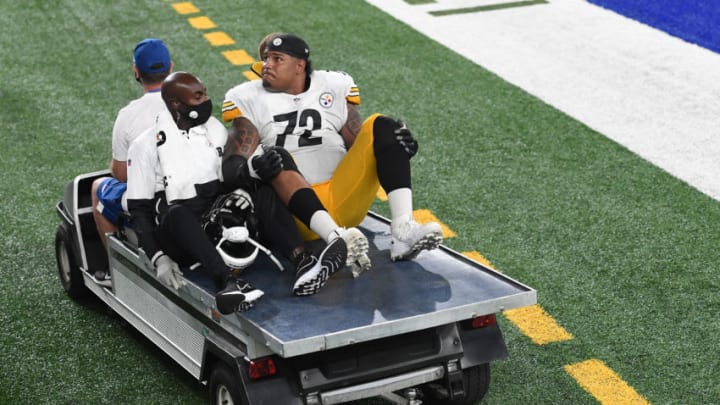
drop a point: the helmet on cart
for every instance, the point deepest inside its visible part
(230, 225)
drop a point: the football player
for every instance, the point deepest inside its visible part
(313, 115)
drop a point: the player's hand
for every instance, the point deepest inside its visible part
(168, 272)
(238, 200)
(268, 165)
(406, 139)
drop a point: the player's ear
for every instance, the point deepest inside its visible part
(136, 73)
(300, 66)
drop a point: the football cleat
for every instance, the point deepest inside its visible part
(237, 296)
(409, 238)
(313, 272)
(357, 246)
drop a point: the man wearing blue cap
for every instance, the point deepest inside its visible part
(151, 65)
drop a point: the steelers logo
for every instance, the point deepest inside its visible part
(160, 138)
(326, 100)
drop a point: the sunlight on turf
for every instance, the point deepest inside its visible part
(603, 383)
(185, 8)
(537, 324)
(219, 38)
(201, 23)
(238, 57)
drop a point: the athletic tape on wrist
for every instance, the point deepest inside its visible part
(258, 152)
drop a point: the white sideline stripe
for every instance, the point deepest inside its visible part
(653, 93)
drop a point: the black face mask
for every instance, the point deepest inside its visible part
(198, 114)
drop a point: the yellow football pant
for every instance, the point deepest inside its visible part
(348, 194)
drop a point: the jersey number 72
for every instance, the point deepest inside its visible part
(306, 138)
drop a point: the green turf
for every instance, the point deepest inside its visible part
(622, 255)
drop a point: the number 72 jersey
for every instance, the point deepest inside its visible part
(306, 124)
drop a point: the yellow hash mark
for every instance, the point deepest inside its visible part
(201, 23)
(603, 383)
(250, 75)
(219, 38)
(474, 255)
(238, 57)
(185, 8)
(424, 216)
(381, 195)
(536, 324)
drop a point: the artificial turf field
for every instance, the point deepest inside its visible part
(623, 255)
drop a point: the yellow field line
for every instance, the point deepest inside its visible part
(216, 38)
(475, 255)
(537, 324)
(201, 23)
(185, 8)
(532, 321)
(603, 383)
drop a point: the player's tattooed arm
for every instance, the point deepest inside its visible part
(243, 139)
(351, 129)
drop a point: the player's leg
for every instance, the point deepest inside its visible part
(277, 227)
(312, 216)
(183, 239)
(393, 170)
(106, 205)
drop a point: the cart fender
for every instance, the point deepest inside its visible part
(272, 390)
(482, 345)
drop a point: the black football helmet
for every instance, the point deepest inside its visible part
(231, 225)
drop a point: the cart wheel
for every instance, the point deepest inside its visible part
(477, 381)
(70, 274)
(224, 387)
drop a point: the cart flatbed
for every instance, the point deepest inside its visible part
(438, 287)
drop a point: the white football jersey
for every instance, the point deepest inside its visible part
(132, 120)
(195, 158)
(307, 124)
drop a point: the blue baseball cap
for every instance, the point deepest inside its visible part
(151, 56)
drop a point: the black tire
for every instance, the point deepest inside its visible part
(224, 387)
(70, 274)
(477, 382)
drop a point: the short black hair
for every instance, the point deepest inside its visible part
(153, 78)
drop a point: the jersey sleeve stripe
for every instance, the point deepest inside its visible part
(353, 99)
(230, 111)
(353, 96)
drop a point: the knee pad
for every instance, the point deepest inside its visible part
(393, 163)
(383, 132)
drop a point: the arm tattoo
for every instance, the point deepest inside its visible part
(243, 138)
(352, 126)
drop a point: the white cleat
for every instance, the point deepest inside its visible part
(357, 247)
(409, 238)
